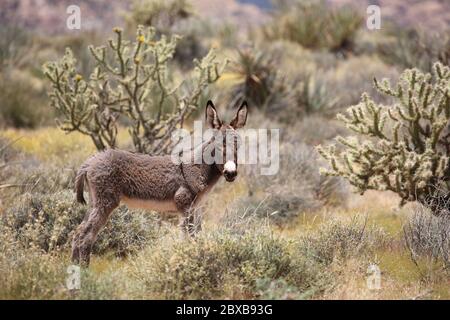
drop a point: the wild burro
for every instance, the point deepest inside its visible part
(156, 183)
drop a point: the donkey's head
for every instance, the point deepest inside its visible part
(226, 139)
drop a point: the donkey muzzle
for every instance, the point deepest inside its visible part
(230, 176)
(230, 171)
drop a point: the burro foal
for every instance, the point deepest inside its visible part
(153, 182)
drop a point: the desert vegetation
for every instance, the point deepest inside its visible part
(364, 154)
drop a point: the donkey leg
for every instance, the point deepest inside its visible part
(191, 222)
(76, 240)
(184, 200)
(88, 234)
(188, 224)
(76, 244)
(196, 215)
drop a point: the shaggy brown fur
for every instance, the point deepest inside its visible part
(150, 182)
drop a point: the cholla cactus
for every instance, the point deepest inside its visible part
(130, 80)
(408, 145)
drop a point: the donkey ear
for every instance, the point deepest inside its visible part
(241, 116)
(211, 116)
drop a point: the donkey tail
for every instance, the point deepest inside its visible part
(79, 184)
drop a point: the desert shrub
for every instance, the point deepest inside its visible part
(8, 157)
(47, 221)
(342, 240)
(44, 221)
(281, 96)
(346, 90)
(428, 236)
(160, 14)
(258, 75)
(228, 34)
(326, 91)
(406, 146)
(38, 178)
(189, 48)
(321, 253)
(316, 129)
(22, 97)
(200, 268)
(334, 243)
(21, 103)
(315, 25)
(307, 94)
(131, 81)
(416, 48)
(170, 18)
(322, 85)
(25, 174)
(27, 273)
(15, 44)
(129, 231)
(244, 258)
(295, 189)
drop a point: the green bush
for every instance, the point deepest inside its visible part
(170, 18)
(200, 269)
(27, 175)
(15, 45)
(406, 149)
(10, 159)
(21, 103)
(242, 259)
(7, 155)
(160, 14)
(279, 289)
(260, 78)
(282, 96)
(315, 25)
(28, 273)
(332, 244)
(246, 259)
(47, 221)
(337, 240)
(22, 96)
(307, 94)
